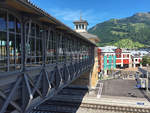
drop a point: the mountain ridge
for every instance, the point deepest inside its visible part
(135, 28)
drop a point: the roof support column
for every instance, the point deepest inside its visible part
(23, 90)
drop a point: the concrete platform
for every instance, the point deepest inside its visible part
(116, 92)
(121, 88)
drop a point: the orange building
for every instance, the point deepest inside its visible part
(112, 58)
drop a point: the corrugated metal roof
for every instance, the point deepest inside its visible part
(80, 21)
(88, 35)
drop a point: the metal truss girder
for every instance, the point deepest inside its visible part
(49, 84)
(28, 94)
(59, 72)
(79, 68)
(52, 78)
(73, 67)
(73, 70)
(36, 85)
(45, 84)
(76, 69)
(65, 77)
(28, 86)
(68, 73)
(10, 96)
(15, 105)
(58, 77)
(56, 80)
(62, 74)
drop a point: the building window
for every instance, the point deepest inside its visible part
(69, 45)
(3, 20)
(33, 44)
(10, 42)
(85, 27)
(51, 48)
(76, 50)
(79, 26)
(139, 60)
(61, 48)
(82, 26)
(76, 26)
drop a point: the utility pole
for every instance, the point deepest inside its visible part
(147, 80)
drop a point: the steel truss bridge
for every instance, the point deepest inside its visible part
(39, 56)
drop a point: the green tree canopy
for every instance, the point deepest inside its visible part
(129, 44)
(146, 60)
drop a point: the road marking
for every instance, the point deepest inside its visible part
(100, 90)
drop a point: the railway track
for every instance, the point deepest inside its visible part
(57, 107)
(115, 108)
(72, 107)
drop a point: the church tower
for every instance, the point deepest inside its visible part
(80, 25)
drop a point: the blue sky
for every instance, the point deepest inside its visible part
(94, 11)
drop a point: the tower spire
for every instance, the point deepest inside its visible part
(80, 25)
(80, 15)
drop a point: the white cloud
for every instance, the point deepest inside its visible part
(68, 15)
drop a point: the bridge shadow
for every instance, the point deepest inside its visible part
(68, 100)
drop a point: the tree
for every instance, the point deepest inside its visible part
(146, 60)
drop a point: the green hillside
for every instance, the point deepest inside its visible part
(127, 43)
(135, 28)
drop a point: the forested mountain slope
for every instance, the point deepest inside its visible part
(135, 28)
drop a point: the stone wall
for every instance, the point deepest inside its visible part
(94, 75)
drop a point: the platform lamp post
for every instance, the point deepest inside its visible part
(147, 79)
